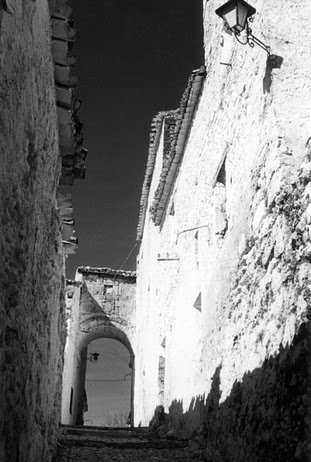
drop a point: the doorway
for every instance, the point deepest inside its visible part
(108, 384)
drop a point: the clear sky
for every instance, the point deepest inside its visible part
(134, 58)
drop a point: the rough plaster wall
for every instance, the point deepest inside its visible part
(249, 257)
(148, 338)
(31, 303)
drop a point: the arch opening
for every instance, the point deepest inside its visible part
(98, 389)
(107, 384)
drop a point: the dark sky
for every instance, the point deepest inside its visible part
(134, 58)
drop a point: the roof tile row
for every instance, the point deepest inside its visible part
(176, 125)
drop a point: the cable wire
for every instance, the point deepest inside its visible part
(107, 380)
(131, 251)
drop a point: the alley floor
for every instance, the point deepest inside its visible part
(94, 444)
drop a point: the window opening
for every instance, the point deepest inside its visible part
(71, 399)
(108, 292)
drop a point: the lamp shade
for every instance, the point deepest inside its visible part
(235, 14)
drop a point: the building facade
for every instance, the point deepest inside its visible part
(223, 276)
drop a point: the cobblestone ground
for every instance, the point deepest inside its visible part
(87, 444)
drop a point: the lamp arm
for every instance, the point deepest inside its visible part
(251, 39)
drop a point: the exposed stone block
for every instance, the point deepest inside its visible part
(61, 52)
(64, 75)
(64, 96)
(81, 152)
(64, 116)
(79, 173)
(67, 177)
(31, 272)
(66, 136)
(68, 161)
(60, 8)
(61, 29)
(67, 150)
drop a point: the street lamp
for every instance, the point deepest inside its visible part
(93, 357)
(237, 14)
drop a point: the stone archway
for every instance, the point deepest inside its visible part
(96, 332)
(100, 304)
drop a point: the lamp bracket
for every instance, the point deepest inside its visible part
(251, 40)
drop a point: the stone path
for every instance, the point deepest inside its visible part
(94, 444)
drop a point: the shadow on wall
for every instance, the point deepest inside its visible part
(273, 62)
(265, 418)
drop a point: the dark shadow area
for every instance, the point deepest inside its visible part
(273, 62)
(265, 418)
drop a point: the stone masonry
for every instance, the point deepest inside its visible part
(100, 303)
(36, 222)
(32, 302)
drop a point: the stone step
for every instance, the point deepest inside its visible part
(90, 429)
(97, 444)
(136, 438)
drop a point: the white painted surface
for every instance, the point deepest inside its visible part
(260, 116)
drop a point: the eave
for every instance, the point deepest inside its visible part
(172, 162)
(171, 159)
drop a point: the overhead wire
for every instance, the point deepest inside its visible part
(130, 253)
(107, 380)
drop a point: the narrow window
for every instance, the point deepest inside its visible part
(71, 399)
(108, 289)
(221, 176)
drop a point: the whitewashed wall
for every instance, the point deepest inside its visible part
(256, 114)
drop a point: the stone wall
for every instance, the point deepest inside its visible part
(32, 298)
(224, 279)
(100, 304)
